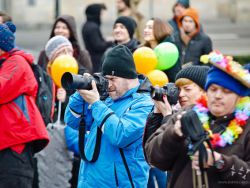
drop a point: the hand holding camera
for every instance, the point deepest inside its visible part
(210, 160)
(90, 96)
(164, 97)
(177, 125)
(170, 90)
(162, 107)
(73, 81)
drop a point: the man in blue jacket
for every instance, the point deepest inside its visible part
(120, 119)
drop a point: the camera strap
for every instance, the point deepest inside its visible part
(198, 140)
(82, 132)
(81, 136)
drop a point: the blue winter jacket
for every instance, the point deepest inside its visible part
(123, 129)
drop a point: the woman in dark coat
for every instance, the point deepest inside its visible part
(224, 113)
(65, 25)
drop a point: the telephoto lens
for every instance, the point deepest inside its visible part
(74, 81)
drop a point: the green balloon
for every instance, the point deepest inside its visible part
(167, 55)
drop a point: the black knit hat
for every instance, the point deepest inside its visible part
(119, 62)
(127, 2)
(128, 22)
(195, 73)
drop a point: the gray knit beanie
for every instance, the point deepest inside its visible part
(55, 45)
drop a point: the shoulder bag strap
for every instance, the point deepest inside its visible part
(82, 132)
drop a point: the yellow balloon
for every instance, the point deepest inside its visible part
(157, 77)
(62, 64)
(145, 60)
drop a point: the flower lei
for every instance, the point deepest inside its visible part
(234, 128)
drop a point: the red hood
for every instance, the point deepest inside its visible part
(27, 56)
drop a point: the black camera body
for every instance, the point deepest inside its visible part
(74, 81)
(170, 90)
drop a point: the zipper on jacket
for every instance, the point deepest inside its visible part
(183, 53)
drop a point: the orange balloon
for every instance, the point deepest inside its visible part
(145, 60)
(62, 64)
(157, 77)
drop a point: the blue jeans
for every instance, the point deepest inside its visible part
(160, 176)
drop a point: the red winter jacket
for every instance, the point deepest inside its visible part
(20, 119)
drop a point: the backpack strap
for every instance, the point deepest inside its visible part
(82, 132)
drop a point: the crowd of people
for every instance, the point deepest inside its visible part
(115, 134)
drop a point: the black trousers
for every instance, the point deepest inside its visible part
(16, 170)
(75, 171)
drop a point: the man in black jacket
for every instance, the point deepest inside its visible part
(191, 42)
(92, 36)
(123, 32)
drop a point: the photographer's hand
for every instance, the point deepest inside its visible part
(177, 126)
(210, 161)
(162, 107)
(90, 96)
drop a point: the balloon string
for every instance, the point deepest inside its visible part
(59, 113)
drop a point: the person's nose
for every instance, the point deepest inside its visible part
(218, 93)
(59, 30)
(117, 31)
(109, 83)
(182, 93)
(145, 30)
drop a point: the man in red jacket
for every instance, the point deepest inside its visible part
(22, 131)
